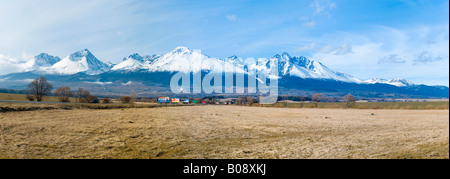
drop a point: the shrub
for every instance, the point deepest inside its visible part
(125, 99)
(106, 100)
(29, 97)
(84, 96)
(64, 94)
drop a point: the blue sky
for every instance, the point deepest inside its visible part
(365, 38)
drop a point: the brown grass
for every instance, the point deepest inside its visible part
(22, 97)
(224, 132)
(18, 107)
(435, 105)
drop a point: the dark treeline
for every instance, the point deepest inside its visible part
(11, 91)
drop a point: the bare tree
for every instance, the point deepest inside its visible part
(39, 88)
(29, 97)
(106, 100)
(242, 100)
(350, 100)
(316, 99)
(125, 99)
(250, 100)
(239, 101)
(84, 96)
(64, 94)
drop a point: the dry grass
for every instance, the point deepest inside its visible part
(21, 97)
(435, 105)
(20, 107)
(225, 132)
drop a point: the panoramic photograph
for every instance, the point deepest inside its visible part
(224, 79)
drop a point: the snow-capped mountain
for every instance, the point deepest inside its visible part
(185, 60)
(303, 67)
(182, 59)
(395, 82)
(133, 62)
(39, 61)
(81, 61)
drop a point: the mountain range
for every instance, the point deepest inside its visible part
(85, 70)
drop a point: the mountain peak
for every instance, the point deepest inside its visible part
(80, 61)
(45, 58)
(42, 60)
(42, 55)
(82, 53)
(286, 55)
(135, 56)
(185, 60)
(396, 82)
(181, 49)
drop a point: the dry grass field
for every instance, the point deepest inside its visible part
(22, 97)
(224, 132)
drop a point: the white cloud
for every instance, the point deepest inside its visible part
(232, 18)
(426, 57)
(127, 83)
(322, 7)
(307, 21)
(341, 49)
(403, 49)
(307, 47)
(304, 18)
(9, 65)
(100, 83)
(310, 24)
(393, 58)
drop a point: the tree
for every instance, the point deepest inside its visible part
(39, 88)
(29, 97)
(316, 99)
(350, 100)
(64, 94)
(242, 100)
(250, 100)
(125, 99)
(84, 96)
(106, 100)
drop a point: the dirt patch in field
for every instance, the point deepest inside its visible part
(225, 132)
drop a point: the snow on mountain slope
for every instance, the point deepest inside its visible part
(40, 61)
(305, 68)
(183, 59)
(135, 62)
(395, 82)
(301, 67)
(81, 61)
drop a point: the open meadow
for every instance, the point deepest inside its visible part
(22, 97)
(224, 132)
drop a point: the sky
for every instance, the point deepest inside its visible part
(388, 39)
